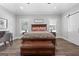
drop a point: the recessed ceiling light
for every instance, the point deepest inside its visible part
(27, 3)
(54, 7)
(48, 3)
(21, 7)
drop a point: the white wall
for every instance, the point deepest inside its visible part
(11, 20)
(48, 19)
(64, 26)
(58, 27)
(70, 26)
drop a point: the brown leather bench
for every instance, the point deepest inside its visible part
(37, 48)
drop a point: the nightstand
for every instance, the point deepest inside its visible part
(54, 33)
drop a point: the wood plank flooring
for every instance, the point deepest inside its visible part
(63, 48)
(66, 48)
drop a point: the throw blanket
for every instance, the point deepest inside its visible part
(40, 34)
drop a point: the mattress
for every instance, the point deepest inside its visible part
(40, 35)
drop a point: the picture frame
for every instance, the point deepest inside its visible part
(38, 20)
(3, 23)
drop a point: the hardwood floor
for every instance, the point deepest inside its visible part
(66, 48)
(63, 48)
(13, 50)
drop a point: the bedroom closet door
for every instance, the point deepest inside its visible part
(73, 28)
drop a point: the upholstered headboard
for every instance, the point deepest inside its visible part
(39, 27)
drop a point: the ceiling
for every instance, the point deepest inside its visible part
(37, 8)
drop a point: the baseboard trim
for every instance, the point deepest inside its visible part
(70, 41)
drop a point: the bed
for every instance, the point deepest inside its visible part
(38, 42)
